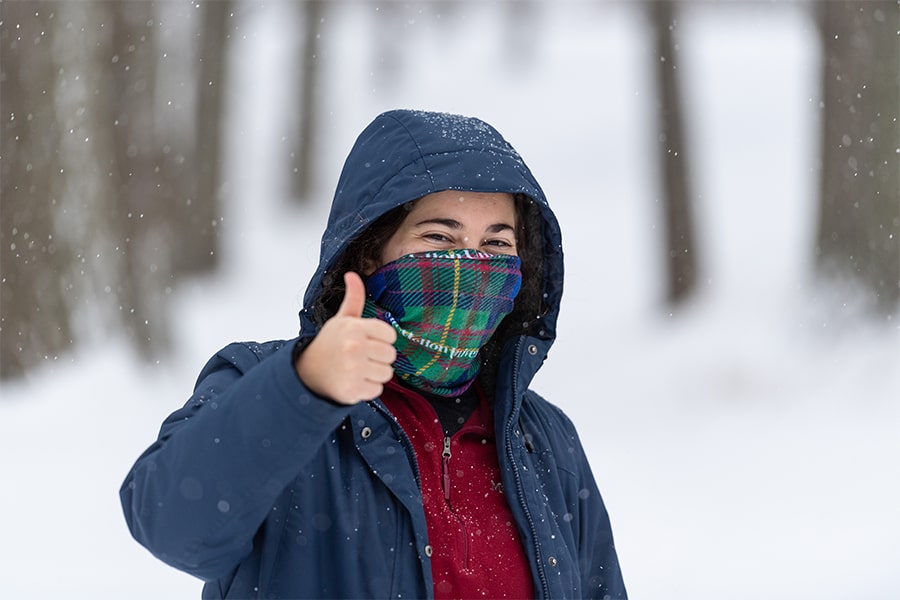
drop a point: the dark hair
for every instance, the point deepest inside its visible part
(365, 250)
(529, 307)
(362, 251)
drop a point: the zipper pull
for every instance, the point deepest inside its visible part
(446, 456)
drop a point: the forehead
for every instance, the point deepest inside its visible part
(465, 206)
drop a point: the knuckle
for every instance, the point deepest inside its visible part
(352, 346)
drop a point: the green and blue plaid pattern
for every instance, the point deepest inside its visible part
(444, 306)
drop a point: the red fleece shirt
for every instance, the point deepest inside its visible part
(477, 551)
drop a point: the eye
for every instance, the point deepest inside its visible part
(437, 237)
(500, 246)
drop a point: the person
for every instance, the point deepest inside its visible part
(393, 449)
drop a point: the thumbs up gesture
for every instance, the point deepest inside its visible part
(349, 361)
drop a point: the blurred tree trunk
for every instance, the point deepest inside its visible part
(34, 316)
(859, 214)
(140, 214)
(521, 31)
(389, 24)
(197, 213)
(304, 148)
(681, 259)
(92, 174)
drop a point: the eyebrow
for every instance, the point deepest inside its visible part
(454, 224)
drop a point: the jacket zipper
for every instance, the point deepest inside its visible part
(412, 452)
(519, 485)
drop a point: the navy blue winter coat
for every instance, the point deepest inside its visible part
(263, 489)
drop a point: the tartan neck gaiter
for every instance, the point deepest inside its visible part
(445, 306)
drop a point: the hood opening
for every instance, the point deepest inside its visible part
(365, 249)
(404, 155)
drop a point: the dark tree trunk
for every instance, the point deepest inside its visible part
(92, 173)
(34, 316)
(859, 216)
(681, 259)
(140, 212)
(198, 205)
(304, 150)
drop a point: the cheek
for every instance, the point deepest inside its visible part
(388, 253)
(394, 249)
(391, 251)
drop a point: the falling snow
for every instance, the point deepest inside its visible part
(747, 447)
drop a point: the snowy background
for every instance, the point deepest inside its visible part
(748, 447)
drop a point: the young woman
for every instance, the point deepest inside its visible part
(393, 449)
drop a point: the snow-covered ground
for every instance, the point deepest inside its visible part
(748, 446)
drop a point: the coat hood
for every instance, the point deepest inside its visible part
(404, 155)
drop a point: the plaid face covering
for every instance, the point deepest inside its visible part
(445, 306)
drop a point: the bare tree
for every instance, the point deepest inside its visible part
(521, 32)
(139, 213)
(101, 187)
(304, 128)
(34, 316)
(681, 259)
(198, 173)
(859, 214)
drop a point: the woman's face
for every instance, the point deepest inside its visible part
(452, 220)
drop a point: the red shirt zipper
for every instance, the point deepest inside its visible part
(446, 455)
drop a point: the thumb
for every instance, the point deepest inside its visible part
(354, 296)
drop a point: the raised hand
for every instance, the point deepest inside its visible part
(349, 361)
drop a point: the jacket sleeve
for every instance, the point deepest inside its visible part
(198, 495)
(601, 574)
